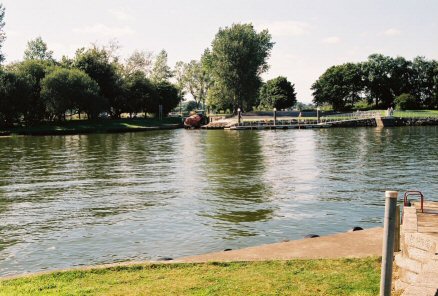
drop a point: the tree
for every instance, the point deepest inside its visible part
(71, 89)
(190, 106)
(386, 77)
(278, 93)
(139, 61)
(161, 71)
(14, 97)
(406, 102)
(37, 50)
(237, 59)
(35, 71)
(195, 79)
(2, 32)
(140, 93)
(424, 85)
(167, 96)
(339, 86)
(101, 66)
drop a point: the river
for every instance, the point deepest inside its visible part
(89, 199)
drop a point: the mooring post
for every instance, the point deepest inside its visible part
(317, 115)
(238, 116)
(275, 116)
(388, 242)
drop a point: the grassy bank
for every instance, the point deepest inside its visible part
(97, 126)
(296, 277)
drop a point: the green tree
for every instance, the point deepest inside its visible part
(190, 106)
(2, 32)
(71, 89)
(278, 93)
(386, 77)
(139, 61)
(339, 86)
(424, 86)
(102, 67)
(35, 71)
(14, 97)
(161, 71)
(167, 96)
(140, 93)
(406, 102)
(196, 81)
(37, 50)
(237, 59)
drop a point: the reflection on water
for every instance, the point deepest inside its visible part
(88, 199)
(234, 166)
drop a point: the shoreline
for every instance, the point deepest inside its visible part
(93, 127)
(332, 246)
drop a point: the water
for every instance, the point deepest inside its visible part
(91, 199)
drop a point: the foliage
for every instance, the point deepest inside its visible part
(2, 32)
(406, 102)
(379, 80)
(194, 78)
(140, 93)
(168, 97)
(14, 97)
(425, 84)
(37, 50)
(35, 71)
(278, 93)
(190, 106)
(296, 277)
(101, 66)
(161, 71)
(139, 61)
(340, 86)
(237, 58)
(71, 89)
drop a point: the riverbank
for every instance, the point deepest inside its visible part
(74, 127)
(294, 277)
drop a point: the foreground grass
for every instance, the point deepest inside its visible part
(296, 277)
(96, 126)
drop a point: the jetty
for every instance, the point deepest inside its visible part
(298, 120)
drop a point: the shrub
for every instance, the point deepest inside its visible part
(406, 102)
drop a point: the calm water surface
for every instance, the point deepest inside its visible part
(90, 199)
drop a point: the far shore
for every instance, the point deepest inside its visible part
(77, 127)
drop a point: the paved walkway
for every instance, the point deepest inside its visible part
(350, 244)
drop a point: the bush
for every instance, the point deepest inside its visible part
(406, 102)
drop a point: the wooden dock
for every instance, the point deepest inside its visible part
(280, 127)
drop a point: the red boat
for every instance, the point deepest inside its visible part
(194, 121)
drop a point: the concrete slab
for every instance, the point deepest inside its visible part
(350, 244)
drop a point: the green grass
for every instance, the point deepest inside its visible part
(97, 126)
(416, 113)
(296, 277)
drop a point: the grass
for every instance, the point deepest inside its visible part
(97, 126)
(295, 277)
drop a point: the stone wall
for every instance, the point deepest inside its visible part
(417, 255)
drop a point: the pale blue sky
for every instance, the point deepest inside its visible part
(310, 35)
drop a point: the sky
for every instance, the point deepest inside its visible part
(309, 36)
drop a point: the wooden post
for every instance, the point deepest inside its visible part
(388, 242)
(397, 230)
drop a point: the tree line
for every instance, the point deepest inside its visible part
(93, 82)
(96, 82)
(379, 82)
